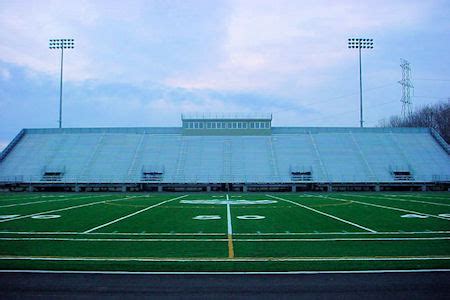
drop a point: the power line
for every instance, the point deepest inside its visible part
(340, 97)
(348, 111)
(432, 79)
(430, 97)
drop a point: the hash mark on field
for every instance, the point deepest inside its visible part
(325, 214)
(132, 214)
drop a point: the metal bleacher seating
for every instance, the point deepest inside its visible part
(323, 154)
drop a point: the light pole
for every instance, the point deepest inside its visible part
(360, 44)
(61, 44)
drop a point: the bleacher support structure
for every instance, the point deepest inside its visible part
(226, 154)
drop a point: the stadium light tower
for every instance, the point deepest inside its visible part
(360, 44)
(61, 44)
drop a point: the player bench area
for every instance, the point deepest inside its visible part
(225, 232)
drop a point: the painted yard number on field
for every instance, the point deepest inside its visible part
(231, 202)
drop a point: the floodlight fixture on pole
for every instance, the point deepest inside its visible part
(360, 44)
(61, 44)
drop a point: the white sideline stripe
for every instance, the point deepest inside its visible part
(222, 239)
(345, 233)
(397, 199)
(229, 226)
(227, 273)
(421, 196)
(66, 195)
(24, 197)
(325, 214)
(383, 206)
(220, 234)
(66, 208)
(343, 239)
(132, 214)
(220, 259)
(47, 201)
(114, 240)
(105, 233)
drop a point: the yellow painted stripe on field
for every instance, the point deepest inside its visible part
(230, 246)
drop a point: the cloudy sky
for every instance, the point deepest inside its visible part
(143, 63)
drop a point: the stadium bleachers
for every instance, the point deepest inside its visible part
(328, 154)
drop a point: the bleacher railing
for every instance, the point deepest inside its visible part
(263, 179)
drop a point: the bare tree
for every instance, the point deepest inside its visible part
(435, 116)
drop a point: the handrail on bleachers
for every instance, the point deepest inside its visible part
(11, 145)
(440, 140)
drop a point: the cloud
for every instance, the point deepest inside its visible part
(125, 41)
(5, 74)
(143, 63)
(270, 42)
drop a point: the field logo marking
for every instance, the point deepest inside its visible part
(325, 214)
(228, 202)
(251, 217)
(8, 216)
(207, 217)
(414, 216)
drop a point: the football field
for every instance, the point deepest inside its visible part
(219, 232)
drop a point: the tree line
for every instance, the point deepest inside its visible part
(436, 116)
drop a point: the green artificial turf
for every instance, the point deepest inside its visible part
(270, 232)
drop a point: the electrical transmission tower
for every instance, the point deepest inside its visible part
(406, 88)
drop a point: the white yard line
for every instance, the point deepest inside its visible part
(132, 214)
(229, 230)
(220, 259)
(47, 201)
(229, 225)
(397, 199)
(66, 208)
(52, 239)
(325, 214)
(383, 206)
